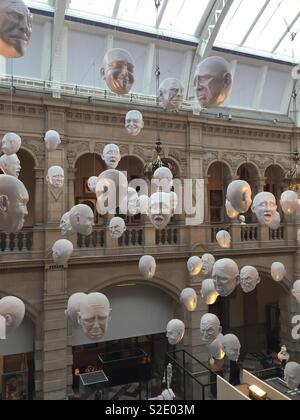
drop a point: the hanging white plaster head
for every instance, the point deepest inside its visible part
(171, 94)
(175, 331)
(189, 299)
(12, 309)
(134, 122)
(275, 224)
(239, 195)
(249, 278)
(212, 81)
(231, 347)
(224, 239)
(129, 204)
(118, 71)
(208, 261)
(163, 179)
(52, 140)
(289, 202)
(10, 165)
(111, 156)
(292, 375)
(296, 290)
(208, 292)
(117, 227)
(278, 271)
(111, 190)
(65, 225)
(74, 307)
(194, 266)
(11, 143)
(13, 204)
(160, 209)
(283, 355)
(143, 204)
(56, 177)
(62, 251)
(91, 183)
(82, 219)
(242, 219)
(94, 315)
(231, 212)
(147, 267)
(215, 349)
(264, 207)
(210, 328)
(226, 276)
(15, 28)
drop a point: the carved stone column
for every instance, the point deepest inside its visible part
(71, 188)
(39, 194)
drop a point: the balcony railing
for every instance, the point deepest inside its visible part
(249, 233)
(16, 242)
(132, 237)
(95, 240)
(167, 236)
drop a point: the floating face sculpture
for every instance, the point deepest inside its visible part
(160, 209)
(111, 190)
(82, 219)
(283, 355)
(289, 202)
(242, 220)
(147, 267)
(55, 177)
(210, 328)
(292, 375)
(118, 71)
(212, 81)
(249, 278)
(92, 183)
(12, 310)
(52, 140)
(275, 224)
(62, 251)
(13, 204)
(264, 206)
(65, 225)
(129, 205)
(10, 165)
(143, 204)
(278, 271)
(111, 156)
(296, 290)
(232, 347)
(239, 195)
(163, 179)
(171, 94)
(231, 212)
(194, 266)
(189, 299)
(134, 122)
(208, 292)
(224, 239)
(208, 262)
(226, 276)
(15, 28)
(94, 315)
(11, 143)
(175, 331)
(215, 349)
(117, 227)
(74, 307)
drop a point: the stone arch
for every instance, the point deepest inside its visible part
(285, 284)
(219, 161)
(249, 165)
(178, 170)
(32, 155)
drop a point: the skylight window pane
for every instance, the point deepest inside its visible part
(290, 46)
(93, 7)
(142, 12)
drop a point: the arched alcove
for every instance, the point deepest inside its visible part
(27, 176)
(249, 172)
(274, 175)
(218, 180)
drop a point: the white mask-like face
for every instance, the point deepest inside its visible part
(215, 349)
(296, 290)
(12, 310)
(92, 183)
(11, 143)
(275, 224)
(224, 239)
(94, 315)
(162, 179)
(13, 204)
(10, 165)
(134, 122)
(210, 328)
(55, 177)
(289, 202)
(117, 227)
(194, 266)
(52, 140)
(292, 375)
(111, 156)
(278, 271)
(212, 81)
(147, 267)
(160, 209)
(249, 278)
(65, 225)
(225, 276)
(130, 203)
(171, 94)
(264, 206)
(82, 219)
(62, 251)
(189, 299)
(74, 307)
(208, 262)
(111, 190)
(208, 292)
(231, 212)
(118, 71)
(175, 331)
(232, 347)
(239, 196)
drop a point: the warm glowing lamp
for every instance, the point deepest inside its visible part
(257, 393)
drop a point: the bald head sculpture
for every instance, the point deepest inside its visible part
(94, 315)
(12, 309)
(226, 276)
(292, 375)
(118, 71)
(171, 94)
(210, 328)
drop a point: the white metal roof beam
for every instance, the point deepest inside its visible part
(286, 32)
(161, 13)
(255, 22)
(116, 9)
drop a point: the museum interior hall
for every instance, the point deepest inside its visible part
(150, 200)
